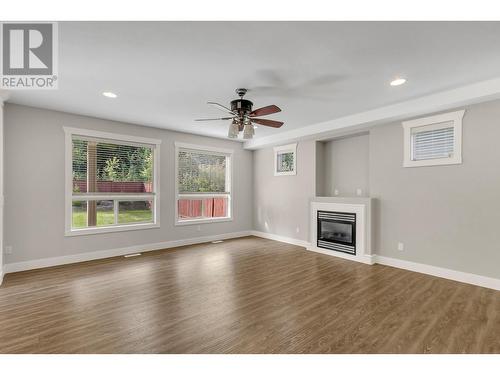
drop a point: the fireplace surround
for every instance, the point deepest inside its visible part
(341, 227)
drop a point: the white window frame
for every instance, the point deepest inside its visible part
(433, 123)
(228, 153)
(69, 197)
(285, 149)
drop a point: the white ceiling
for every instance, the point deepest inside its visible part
(165, 72)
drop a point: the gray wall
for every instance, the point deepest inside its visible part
(447, 216)
(320, 169)
(345, 166)
(34, 186)
(282, 202)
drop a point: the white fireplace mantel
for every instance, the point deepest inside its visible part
(362, 207)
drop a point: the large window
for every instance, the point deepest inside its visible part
(203, 184)
(111, 182)
(434, 140)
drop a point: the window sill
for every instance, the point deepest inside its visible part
(203, 221)
(110, 229)
(292, 173)
(431, 162)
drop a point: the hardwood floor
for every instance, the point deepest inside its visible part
(247, 295)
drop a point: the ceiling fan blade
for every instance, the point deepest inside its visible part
(271, 123)
(222, 107)
(270, 109)
(214, 119)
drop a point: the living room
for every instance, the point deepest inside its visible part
(164, 192)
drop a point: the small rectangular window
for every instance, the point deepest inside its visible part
(434, 140)
(203, 186)
(432, 144)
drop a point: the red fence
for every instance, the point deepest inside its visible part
(202, 208)
(116, 187)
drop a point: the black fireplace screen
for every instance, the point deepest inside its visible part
(337, 231)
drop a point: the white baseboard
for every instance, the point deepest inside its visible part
(446, 273)
(82, 257)
(275, 237)
(469, 278)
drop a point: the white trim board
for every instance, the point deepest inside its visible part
(83, 257)
(469, 278)
(446, 273)
(444, 100)
(276, 237)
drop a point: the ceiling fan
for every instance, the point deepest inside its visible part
(243, 117)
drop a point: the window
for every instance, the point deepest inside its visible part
(434, 140)
(285, 160)
(111, 182)
(203, 184)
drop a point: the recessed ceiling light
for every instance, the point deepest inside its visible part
(109, 94)
(398, 81)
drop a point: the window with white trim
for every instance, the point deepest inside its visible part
(111, 182)
(203, 184)
(285, 160)
(434, 140)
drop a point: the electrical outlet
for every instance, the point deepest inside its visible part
(336, 192)
(297, 229)
(359, 192)
(8, 249)
(198, 228)
(401, 246)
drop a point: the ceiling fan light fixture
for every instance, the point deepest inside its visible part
(233, 130)
(244, 117)
(248, 131)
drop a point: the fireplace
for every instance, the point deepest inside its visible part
(337, 231)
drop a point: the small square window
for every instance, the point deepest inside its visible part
(285, 160)
(434, 140)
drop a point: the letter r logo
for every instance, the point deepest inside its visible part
(27, 49)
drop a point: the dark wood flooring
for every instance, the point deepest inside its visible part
(247, 295)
